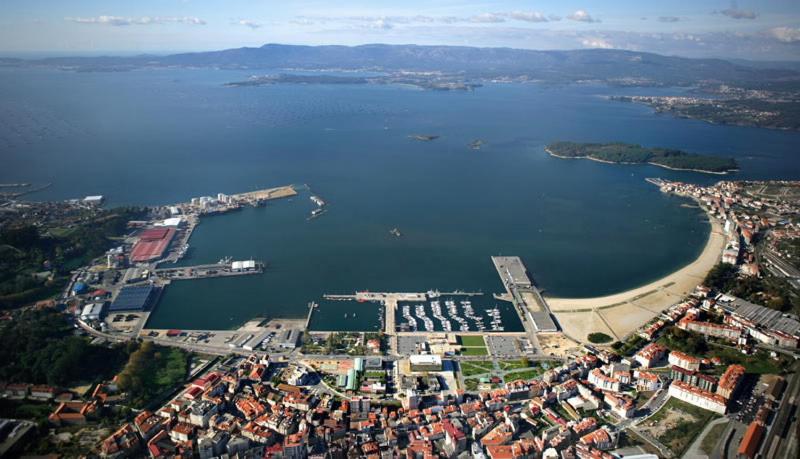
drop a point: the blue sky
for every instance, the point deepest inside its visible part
(721, 28)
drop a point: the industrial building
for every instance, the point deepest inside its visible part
(763, 324)
(152, 244)
(290, 338)
(134, 298)
(92, 311)
(255, 341)
(246, 265)
(172, 221)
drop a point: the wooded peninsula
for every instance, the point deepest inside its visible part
(628, 153)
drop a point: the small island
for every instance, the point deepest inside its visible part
(424, 137)
(477, 144)
(628, 153)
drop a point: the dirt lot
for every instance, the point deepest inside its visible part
(669, 421)
(557, 344)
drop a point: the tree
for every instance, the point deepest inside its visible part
(21, 237)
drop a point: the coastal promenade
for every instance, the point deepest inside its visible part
(622, 313)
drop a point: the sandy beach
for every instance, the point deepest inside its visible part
(624, 312)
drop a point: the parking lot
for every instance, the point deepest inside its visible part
(407, 345)
(503, 346)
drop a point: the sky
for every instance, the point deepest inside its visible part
(761, 30)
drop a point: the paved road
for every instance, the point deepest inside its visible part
(653, 405)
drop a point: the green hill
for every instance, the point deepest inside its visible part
(628, 153)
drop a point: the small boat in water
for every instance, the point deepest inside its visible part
(395, 232)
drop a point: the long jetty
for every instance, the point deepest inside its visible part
(259, 196)
(519, 286)
(208, 270)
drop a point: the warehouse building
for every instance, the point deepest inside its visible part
(134, 298)
(290, 338)
(763, 324)
(152, 244)
(92, 311)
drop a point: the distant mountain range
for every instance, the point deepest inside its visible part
(613, 66)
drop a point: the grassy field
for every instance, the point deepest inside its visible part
(708, 442)
(509, 365)
(473, 345)
(759, 363)
(474, 351)
(475, 368)
(524, 374)
(472, 341)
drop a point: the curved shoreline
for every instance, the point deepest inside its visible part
(591, 158)
(623, 313)
(683, 280)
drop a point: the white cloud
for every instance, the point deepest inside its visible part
(786, 34)
(581, 16)
(483, 18)
(382, 24)
(142, 20)
(302, 21)
(488, 18)
(528, 16)
(248, 23)
(668, 19)
(596, 42)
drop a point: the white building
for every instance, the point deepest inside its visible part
(603, 382)
(684, 361)
(92, 311)
(698, 397)
(94, 200)
(246, 265)
(425, 362)
(172, 221)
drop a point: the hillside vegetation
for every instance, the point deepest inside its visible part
(624, 153)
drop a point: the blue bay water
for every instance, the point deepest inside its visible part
(583, 228)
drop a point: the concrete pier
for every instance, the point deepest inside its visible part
(311, 307)
(206, 271)
(524, 293)
(258, 196)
